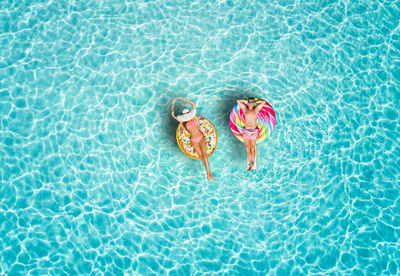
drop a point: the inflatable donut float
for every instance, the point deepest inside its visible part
(265, 121)
(209, 132)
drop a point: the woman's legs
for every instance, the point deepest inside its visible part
(197, 149)
(203, 145)
(201, 149)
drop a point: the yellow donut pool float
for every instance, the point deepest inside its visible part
(209, 132)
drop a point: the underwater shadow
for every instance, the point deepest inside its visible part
(169, 124)
(226, 103)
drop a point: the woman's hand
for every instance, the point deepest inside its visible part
(183, 99)
(190, 102)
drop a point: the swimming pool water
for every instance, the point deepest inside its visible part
(93, 182)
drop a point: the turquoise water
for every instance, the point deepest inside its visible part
(93, 182)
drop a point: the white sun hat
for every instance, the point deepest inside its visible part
(186, 115)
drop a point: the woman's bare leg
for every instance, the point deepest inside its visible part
(199, 151)
(203, 146)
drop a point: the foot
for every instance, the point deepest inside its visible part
(210, 176)
(249, 166)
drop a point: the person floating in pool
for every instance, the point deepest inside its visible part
(189, 121)
(250, 130)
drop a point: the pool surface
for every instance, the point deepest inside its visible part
(92, 181)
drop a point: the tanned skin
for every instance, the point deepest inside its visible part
(251, 114)
(201, 147)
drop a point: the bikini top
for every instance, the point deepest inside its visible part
(191, 124)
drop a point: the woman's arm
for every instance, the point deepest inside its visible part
(190, 102)
(173, 109)
(173, 115)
